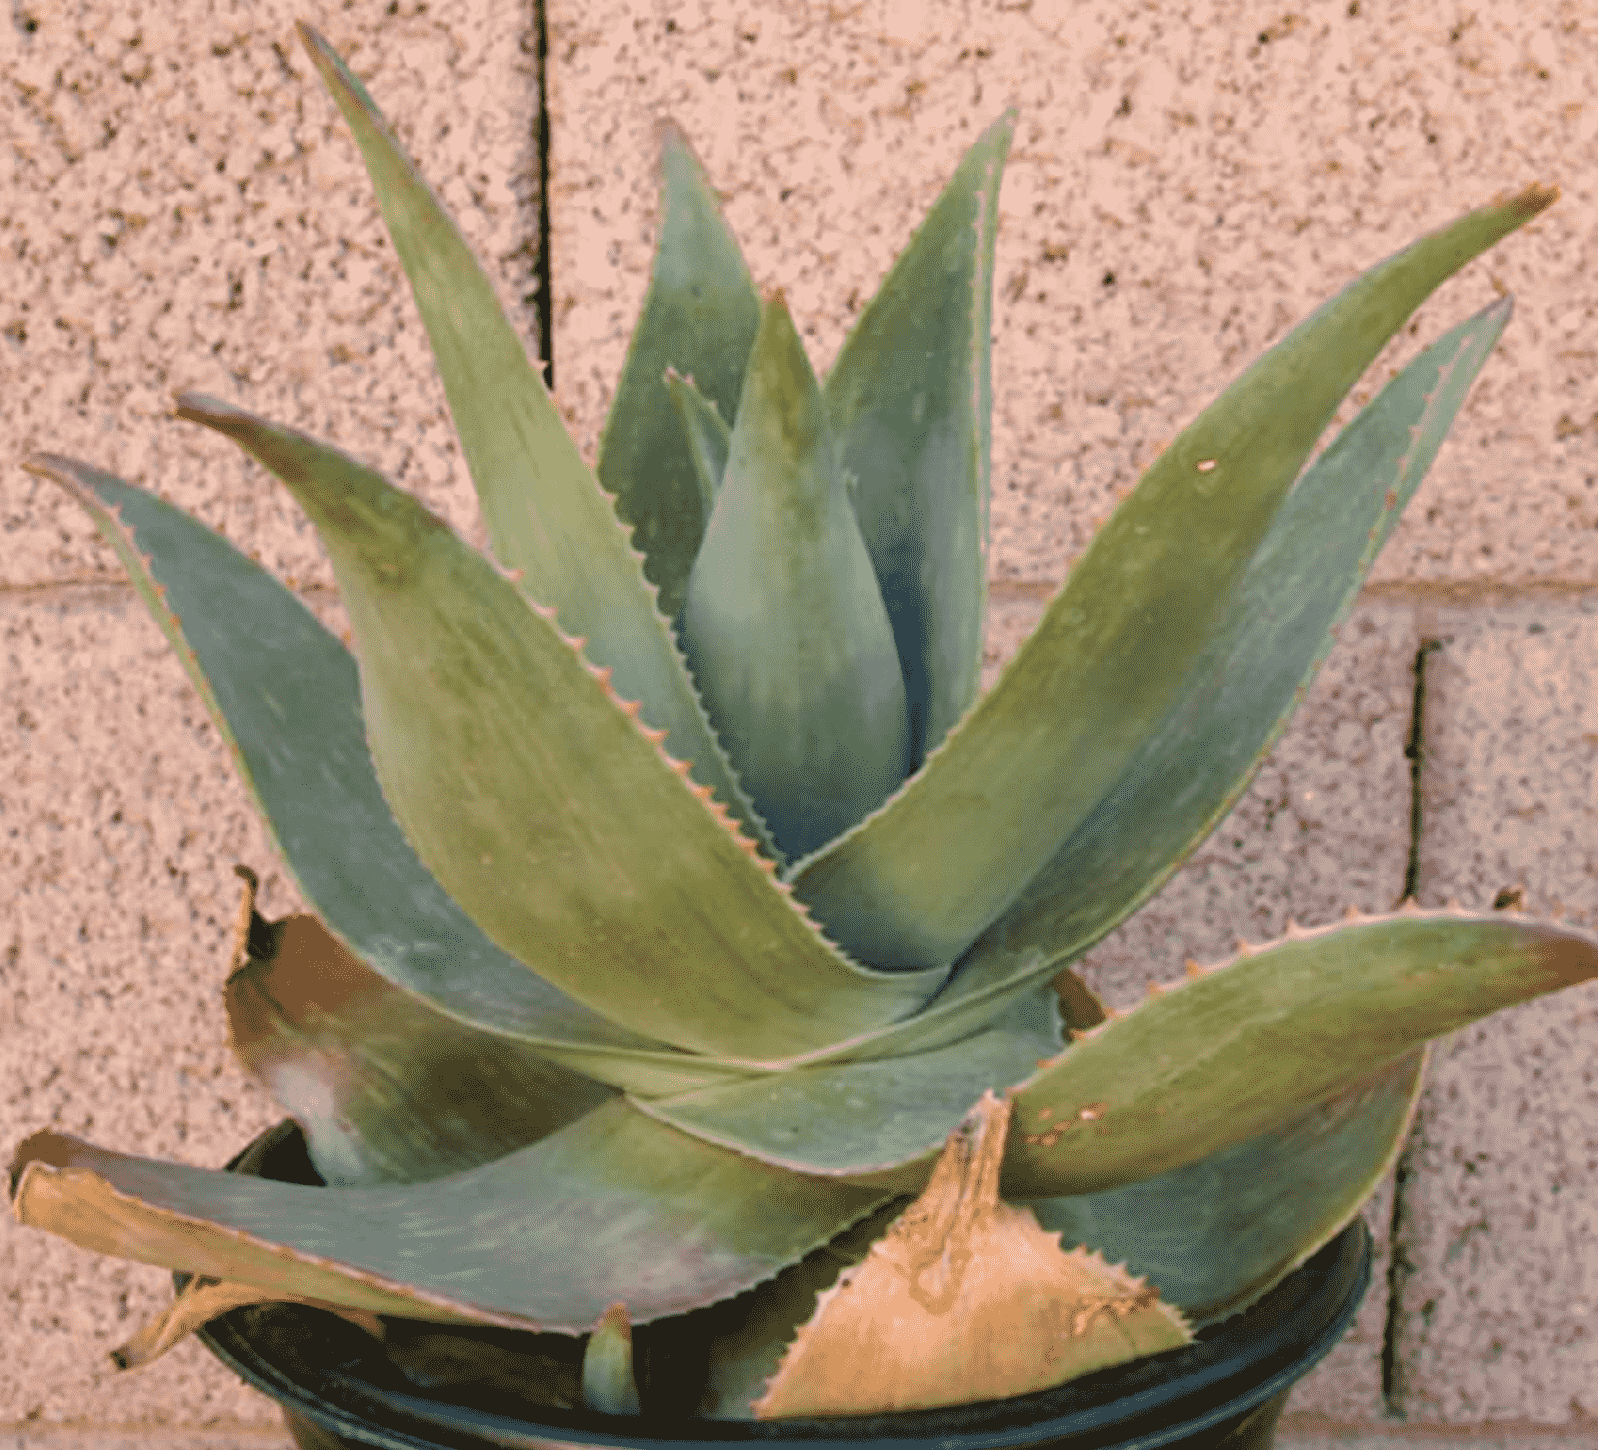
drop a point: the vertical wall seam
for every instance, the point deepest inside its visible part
(1398, 1265)
(546, 309)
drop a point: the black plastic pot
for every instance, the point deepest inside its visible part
(340, 1386)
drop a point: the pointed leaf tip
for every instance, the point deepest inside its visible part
(966, 1298)
(609, 1385)
(1531, 200)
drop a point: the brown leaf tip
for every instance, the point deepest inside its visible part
(52, 1149)
(1535, 198)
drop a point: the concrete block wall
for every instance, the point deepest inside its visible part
(185, 208)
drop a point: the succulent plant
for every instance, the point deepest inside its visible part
(682, 913)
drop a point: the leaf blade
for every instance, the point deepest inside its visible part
(923, 876)
(699, 317)
(865, 1120)
(910, 399)
(1300, 586)
(501, 749)
(1231, 1053)
(1220, 1233)
(546, 513)
(784, 626)
(707, 433)
(613, 1207)
(284, 695)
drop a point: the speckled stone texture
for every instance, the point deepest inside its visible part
(184, 208)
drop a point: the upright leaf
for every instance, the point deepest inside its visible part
(784, 626)
(547, 517)
(700, 317)
(1192, 768)
(708, 435)
(910, 400)
(917, 881)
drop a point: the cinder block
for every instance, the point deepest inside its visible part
(189, 210)
(1498, 1232)
(1185, 185)
(126, 817)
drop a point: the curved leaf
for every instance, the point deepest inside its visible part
(1218, 1234)
(542, 805)
(547, 516)
(1189, 773)
(386, 1089)
(700, 316)
(916, 882)
(614, 1207)
(863, 1119)
(1232, 1052)
(284, 695)
(910, 402)
(784, 626)
(1191, 770)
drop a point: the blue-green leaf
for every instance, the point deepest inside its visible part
(284, 695)
(910, 403)
(861, 1118)
(548, 519)
(700, 316)
(1216, 1235)
(1230, 1052)
(921, 878)
(613, 1207)
(784, 627)
(539, 801)
(1190, 771)
(709, 436)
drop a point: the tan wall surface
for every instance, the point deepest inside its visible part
(1230, 165)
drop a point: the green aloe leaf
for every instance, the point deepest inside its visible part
(860, 1119)
(700, 316)
(709, 436)
(1211, 1238)
(1232, 1052)
(1191, 770)
(1237, 1053)
(614, 1207)
(547, 516)
(284, 695)
(910, 401)
(916, 882)
(1301, 582)
(507, 757)
(386, 1088)
(784, 625)
(1215, 1236)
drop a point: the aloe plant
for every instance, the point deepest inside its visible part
(686, 927)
